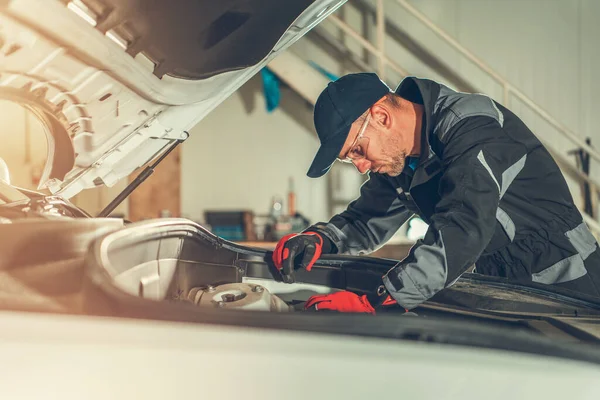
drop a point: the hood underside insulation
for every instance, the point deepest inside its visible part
(196, 39)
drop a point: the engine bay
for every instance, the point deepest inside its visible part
(175, 270)
(176, 261)
(209, 272)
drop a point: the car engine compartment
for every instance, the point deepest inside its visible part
(169, 266)
(175, 270)
(177, 261)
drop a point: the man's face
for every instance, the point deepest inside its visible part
(372, 144)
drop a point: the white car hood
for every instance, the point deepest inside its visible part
(117, 82)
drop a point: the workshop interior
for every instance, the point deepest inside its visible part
(154, 154)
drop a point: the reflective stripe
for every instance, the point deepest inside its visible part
(508, 176)
(333, 233)
(565, 270)
(461, 106)
(481, 159)
(500, 115)
(582, 239)
(511, 173)
(507, 223)
(427, 276)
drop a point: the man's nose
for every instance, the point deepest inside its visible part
(362, 165)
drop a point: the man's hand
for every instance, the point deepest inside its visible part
(350, 302)
(307, 247)
(342, 302)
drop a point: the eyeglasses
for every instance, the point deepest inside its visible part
(358, 149)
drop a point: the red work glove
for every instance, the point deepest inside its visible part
(307, 245)
(389, 301)
(342, 302)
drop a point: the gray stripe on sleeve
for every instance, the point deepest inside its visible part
(366, 233)
(511, 173)
(335, 234)
(427, 276)
(481, 159)
(565, 270)
(508, 176)
(582, 239)
(507, 223)
(500, 115)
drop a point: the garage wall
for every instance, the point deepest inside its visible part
(94, 200)
(240, 157)
(544, 47)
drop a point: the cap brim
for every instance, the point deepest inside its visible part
(327, 153)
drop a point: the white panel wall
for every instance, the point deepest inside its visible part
(240, 156)
(546, 48)
(589, 71)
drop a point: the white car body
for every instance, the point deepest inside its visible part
(117, 111)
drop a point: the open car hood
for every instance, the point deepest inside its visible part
(117, 82)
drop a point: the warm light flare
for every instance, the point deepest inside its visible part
(117, 39)
(81, 9)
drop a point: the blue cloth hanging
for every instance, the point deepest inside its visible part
(271, 84)
(270, 89)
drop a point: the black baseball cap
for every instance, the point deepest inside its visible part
(338, 106)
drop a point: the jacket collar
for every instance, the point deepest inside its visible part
(425, 92)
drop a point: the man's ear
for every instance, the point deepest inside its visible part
(381, 115)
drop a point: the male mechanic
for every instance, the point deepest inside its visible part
(490, 192)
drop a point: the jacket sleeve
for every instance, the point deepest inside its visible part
(369, 221)
(478, 164)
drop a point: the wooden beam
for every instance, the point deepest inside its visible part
(160, 193)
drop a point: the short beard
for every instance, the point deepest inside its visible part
(397, 165)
